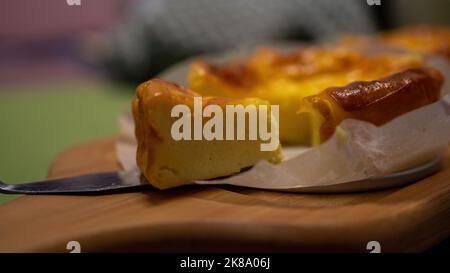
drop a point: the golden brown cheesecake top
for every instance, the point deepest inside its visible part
(267, 64)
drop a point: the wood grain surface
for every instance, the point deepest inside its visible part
(222, 218)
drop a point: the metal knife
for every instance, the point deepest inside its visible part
(90, 183)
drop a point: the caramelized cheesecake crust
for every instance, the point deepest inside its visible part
(376, 101)
(423, 82)
(299, 65)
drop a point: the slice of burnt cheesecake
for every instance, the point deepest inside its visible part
(166, 160)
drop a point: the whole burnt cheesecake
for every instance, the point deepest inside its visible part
(284, 79)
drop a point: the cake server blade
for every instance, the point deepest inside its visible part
(90, 183)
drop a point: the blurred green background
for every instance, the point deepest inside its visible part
(38, 122)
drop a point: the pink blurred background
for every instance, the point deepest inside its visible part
(40, 40)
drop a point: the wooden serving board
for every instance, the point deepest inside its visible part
(223, 218)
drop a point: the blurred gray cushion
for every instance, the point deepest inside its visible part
(158, 33)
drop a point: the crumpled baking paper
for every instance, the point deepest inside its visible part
(358, 150)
